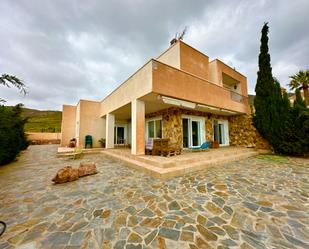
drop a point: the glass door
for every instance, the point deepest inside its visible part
(221, 132)
(185, 133)
(191, 132)
(195, 133)
(120, 135)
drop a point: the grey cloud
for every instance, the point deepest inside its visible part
(67, 50)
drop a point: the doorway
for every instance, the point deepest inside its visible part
(192, 131)
(120, 134)
(221, 132)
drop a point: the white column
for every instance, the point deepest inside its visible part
(138, 127)
(110, 126)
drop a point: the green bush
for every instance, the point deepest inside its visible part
(12, 136)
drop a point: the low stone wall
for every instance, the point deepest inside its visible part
(43, 137)
(243, 133)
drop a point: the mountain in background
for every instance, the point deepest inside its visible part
(42, 121)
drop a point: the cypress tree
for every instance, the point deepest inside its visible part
(264, 90)
(277, 114)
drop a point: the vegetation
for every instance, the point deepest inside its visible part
(102, 141)
(42, 121)
(265, 88)
(8, 80)
(300, 81)
(12, 136)
(273, 158)
(285, 127)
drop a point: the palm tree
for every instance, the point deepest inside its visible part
(301, 81)
(7, 80)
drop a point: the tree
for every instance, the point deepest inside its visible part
(8, 80)
(300, 81)
(295, 125)
(12, 136)
(264, 89)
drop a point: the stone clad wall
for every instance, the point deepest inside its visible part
(243, 133)
(172, 123)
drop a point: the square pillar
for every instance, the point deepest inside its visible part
(110, 127)
(138, 127)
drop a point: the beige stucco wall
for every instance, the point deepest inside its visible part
(171, 82)
(91, 122)
(217, 67)
(171, 56)
(68, 124)
(43, 136)
(138, 85)
(193, 61)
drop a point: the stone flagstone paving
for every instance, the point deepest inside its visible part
(253, 203)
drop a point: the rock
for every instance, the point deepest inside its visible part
(206, 233)
(151, 236)
(169, 233)
(66, 174)
(174, 205)
(134, 238)
(86, 169)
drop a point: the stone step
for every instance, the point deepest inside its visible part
(146, 168)
(169, 172)
(185, 169)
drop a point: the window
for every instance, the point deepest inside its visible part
(154, 128)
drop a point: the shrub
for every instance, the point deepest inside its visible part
(12, 136)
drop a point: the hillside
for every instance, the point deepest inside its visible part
(42, 121)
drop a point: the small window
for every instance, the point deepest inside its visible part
(154, 128)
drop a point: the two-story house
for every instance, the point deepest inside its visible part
(181, 95)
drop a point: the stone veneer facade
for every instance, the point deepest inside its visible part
(241, 130)
(243, 133)
(172, 123)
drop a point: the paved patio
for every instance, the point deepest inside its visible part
(252, 203)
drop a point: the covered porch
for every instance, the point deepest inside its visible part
(186, 124)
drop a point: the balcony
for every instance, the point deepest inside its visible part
(175, 83)
(238, 97)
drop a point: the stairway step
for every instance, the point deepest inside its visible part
(179, 167)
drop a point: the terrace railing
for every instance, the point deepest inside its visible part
(238, 97)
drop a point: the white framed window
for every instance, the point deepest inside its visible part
(154, 128)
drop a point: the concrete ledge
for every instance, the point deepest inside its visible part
(166, 168)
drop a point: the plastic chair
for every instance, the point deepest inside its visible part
(88, 141)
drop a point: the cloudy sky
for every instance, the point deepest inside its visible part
(65, 50)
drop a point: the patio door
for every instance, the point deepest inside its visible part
(192, 131)
(221, 132)
(120, 134)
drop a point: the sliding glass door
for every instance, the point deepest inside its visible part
(120, 135)
(192, 131)
(221, 132)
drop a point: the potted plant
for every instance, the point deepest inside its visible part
(102, 142)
